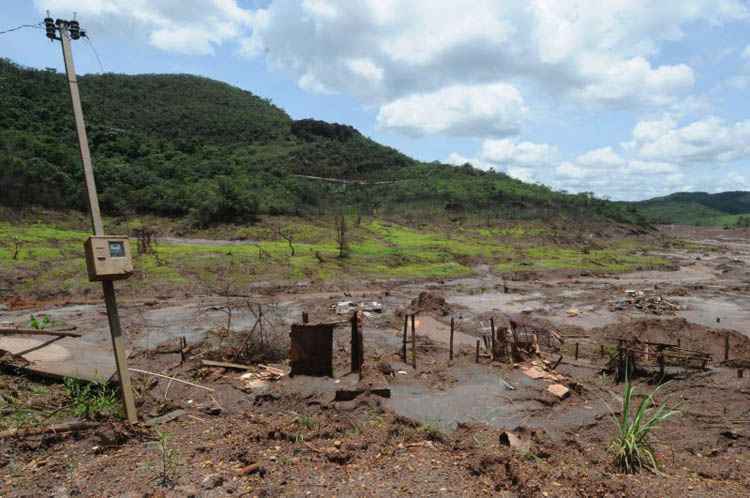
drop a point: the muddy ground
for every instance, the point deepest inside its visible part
(438, 434)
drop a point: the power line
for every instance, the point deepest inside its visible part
(93, 49)
(36, 26)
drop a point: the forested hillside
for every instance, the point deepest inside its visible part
(699, 208)
(180, 145)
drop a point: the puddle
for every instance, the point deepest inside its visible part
(704, 311)
(508, 303)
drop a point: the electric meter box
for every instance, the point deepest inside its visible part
(108, 258)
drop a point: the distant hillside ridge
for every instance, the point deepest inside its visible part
(698, 208)
(182, 145)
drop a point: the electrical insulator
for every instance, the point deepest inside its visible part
(75, 30)
(49, 26)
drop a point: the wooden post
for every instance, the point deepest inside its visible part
(453, 326)
(403, 346)
(183, 346)
(357, 346)
(492, 339)
(601, 350)
(413, 343)
(305, 318)
(726, 346)
(576, 350)
(740, 373)
(476, 357)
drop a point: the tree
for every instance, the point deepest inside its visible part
(342, 236)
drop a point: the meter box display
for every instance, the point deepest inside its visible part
(108, 258)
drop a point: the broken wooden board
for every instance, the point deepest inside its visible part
(559, 390)
(63, 357)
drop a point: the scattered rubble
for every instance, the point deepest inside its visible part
(646, 303)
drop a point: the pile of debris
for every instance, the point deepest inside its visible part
(641, 301)
(429, 302)
(367, 307)
(542, 370)
(260, 378)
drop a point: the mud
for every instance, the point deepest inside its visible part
(437, 433)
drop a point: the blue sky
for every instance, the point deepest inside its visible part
(626, 98)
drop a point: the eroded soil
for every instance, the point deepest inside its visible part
(439, 432)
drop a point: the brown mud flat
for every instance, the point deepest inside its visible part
(438, 434)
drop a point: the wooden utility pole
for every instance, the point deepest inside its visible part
(66, 31)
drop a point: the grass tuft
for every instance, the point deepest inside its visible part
(631, 446)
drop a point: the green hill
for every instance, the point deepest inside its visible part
(181, 145)
(699, 208)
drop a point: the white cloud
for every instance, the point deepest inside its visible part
(194, 27)
(512, 152)
(604, 157)
(709, 140)
(595, 53)
(496, 109)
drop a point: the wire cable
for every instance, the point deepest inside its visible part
(93, 49)
(36, 26)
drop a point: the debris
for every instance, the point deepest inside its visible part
(237, 366)
(346, 307)
(146, 372)
(55, 333)
(508, 438)
(507, 385)
(165, 418)
(639, 300)
(429, 302)
(535, 373)
(52, 429)
(311, 350)
(573, 312)
(255, 468)
(559, 390)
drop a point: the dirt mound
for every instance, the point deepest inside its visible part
(689, 335)
(430, 302)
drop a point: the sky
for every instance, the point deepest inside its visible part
(629, 99)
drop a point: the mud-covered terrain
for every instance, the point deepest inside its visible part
(438, 433)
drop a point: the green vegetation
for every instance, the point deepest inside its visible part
(726, 209)
(631, 446)
(92, 400)
(169, 460)
(186, 146)
(620, 256)
(50, 259)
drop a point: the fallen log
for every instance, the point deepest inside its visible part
(52, 429)
(56, 332)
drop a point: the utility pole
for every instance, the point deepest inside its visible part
(65, 31)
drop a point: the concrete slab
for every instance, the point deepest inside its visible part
(68, 357)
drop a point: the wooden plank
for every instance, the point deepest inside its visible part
(222, 364)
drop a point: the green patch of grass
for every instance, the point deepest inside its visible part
(92, 400)
(620, 257)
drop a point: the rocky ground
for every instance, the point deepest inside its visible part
(441, 430)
